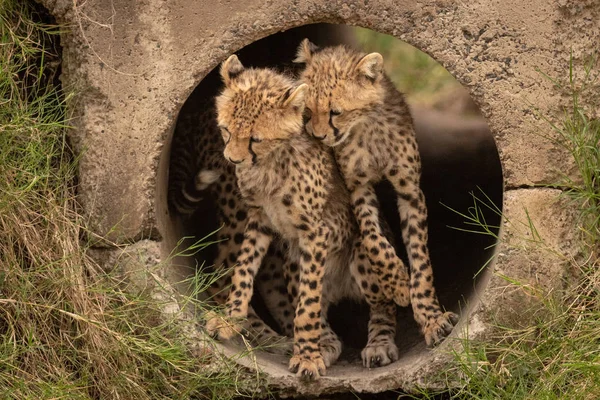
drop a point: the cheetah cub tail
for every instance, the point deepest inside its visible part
(195, 190)
(205, 178)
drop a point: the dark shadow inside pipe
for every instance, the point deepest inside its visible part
(459, 162)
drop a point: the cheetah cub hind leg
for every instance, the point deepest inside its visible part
(379, 354)
(395, 282)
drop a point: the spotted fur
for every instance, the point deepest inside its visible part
(198, 170)
(293, 191)
(354, 108)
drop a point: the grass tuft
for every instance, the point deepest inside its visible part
(67, 328)
(580, 136)
(558, 355)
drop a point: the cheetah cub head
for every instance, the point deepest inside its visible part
(345, 86)
(256, 111)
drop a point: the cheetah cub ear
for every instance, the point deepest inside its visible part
(295, 99)
(371, 66)
(230, 69)
(305, 51)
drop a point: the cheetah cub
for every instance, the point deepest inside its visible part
(289, 183)
(198, 170)
(353, 107)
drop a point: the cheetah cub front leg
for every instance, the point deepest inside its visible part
(330, 344)
(391, 271)
(308, 361)
(257, 238)
(435, 323)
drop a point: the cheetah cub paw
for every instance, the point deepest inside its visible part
(379, 354)
(439, 327)
(220, 327)
(307, 368)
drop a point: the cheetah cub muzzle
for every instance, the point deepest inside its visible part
(353, 107)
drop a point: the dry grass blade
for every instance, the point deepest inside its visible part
(557, 356)
(67, 329)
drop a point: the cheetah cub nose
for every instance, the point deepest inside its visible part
(235, 161)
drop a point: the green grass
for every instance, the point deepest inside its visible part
(580, 136)
(422, 79)
(69, 330)
(557, 355)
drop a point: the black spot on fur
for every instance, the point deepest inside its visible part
(241, 215)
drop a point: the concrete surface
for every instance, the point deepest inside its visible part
(134, 63)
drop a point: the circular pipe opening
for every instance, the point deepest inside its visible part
(460, 164)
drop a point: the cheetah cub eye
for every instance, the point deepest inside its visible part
(307, 115)
(225, 134)
(333, 112)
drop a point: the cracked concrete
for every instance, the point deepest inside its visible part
(133, 64)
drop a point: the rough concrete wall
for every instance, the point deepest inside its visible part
(537, 244)
(134, 63)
